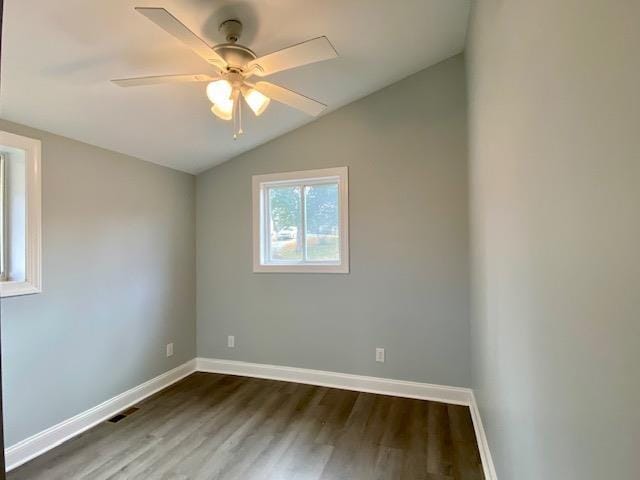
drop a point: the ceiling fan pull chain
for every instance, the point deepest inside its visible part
(240, 131)
(235, 118)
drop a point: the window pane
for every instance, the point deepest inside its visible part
(285, 216)
(321, 222)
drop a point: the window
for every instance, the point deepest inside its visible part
(300, 222)
(20, 240)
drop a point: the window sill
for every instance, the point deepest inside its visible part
(14, 289)
(259, 268)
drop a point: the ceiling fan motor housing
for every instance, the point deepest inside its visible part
(236, 56)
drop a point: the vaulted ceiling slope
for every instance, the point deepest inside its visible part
(58, 58)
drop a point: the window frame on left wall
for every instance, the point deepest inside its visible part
(13, 144)
(260, 187)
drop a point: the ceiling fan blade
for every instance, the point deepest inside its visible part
(290, 98)
(311, 51)
(175, 27)
(140, 81)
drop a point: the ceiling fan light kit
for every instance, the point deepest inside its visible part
(234, 65)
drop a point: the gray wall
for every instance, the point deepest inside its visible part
(555, 175)
(118, 284)
(406, 149)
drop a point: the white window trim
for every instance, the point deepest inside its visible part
(33, 234)
(3, 217)
(308, 176)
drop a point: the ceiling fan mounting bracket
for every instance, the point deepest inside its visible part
(232, 29)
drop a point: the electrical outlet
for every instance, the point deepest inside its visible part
(380, 355)
(169, 349)
(231, 341)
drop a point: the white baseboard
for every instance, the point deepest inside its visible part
(483, 444)
(44, 441)
(31, 447)
(385, 386)
(346, 381)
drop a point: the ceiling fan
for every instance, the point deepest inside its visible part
(235, 64)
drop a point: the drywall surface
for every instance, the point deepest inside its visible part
(555, 194)
(118, 285)
(406, 150)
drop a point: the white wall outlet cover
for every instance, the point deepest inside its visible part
(169, 349)
(231, 341)
(380, 355)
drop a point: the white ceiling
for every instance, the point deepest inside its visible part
(58, 58)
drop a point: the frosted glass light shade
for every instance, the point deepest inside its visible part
(256, 101)
(223, 110)
(219, 91)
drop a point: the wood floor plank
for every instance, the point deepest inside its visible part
(223, 427)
